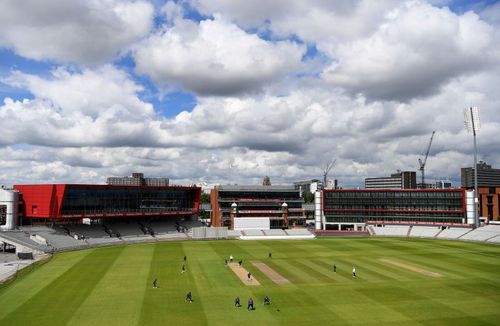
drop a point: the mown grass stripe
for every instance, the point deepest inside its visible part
(173, 286)
(118, 291)
(307, 269)
(292, 272)
(364, 271)
(64, 295)
(391, 271)
(21, 290)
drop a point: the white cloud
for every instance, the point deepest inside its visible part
(76, 109)
(215, 57)
(227, 140)
(312, 21)
(491, 14)
(80, 31)
(413, 53)
(389, 50)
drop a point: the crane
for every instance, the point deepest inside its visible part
(326, 171)
(422, 163)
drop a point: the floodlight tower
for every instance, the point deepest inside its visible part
(472, 124)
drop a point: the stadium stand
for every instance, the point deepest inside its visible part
(295, 232)
(88, 231)
(7, 257)
(234, 233)
(274, 232)
(495, 239)
(424, 231)
(128, 230)
(203, 232)
(21, 238)
(392, 230)
(173, 236)
(162, 227)
(482, 233)
(452, 233)
(59, 238)
(172, 226)
(487, 233)
(253, 233)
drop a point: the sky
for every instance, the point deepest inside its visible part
(226, 91)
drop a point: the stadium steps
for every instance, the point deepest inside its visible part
(437, 234)
(496, 235)
(409, 231)
(465, 233)
(495, 239)
(370, 230)
(20, 238)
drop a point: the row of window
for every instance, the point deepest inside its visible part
(261, 205)
(96, 201)
(259, 194)
(398, 208)
(394, 194)
(358, 219)
(395, 201)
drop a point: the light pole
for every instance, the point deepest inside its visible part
(472, 124)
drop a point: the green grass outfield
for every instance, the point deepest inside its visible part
(113, 285)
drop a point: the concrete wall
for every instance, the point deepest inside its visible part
(254, 223)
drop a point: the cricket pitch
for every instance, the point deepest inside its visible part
(242, 273)
(271, 273)
(409, 267)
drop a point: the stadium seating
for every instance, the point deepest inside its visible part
(297, 232)
(172, 236)
(392, 230)
(488, 233)
(482, 233)
(127, 230)
(23, 238)
(424, 231)
(495, 239)
(88, 231)
(253, 233)
(274, 232)
(452, 233)
(234, 233)
(59, 238)
(162, 227)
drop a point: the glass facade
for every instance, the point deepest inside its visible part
(89, 200)
(401, 206)
(259, 200)
(261, 203)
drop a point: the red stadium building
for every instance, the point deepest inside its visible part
(70, 202)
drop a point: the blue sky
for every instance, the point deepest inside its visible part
(227, 91)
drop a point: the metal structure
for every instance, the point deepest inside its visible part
(327, 170)
(422, 163)
(472, 124)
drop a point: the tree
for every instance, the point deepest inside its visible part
(205, 198)
(308, 197)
